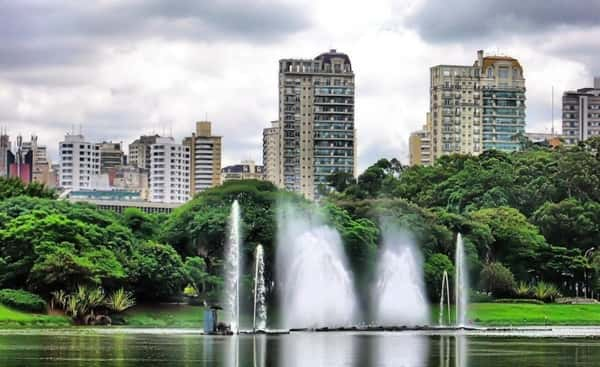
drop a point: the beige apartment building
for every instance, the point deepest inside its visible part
(206, 153)
(420, 146)
(316, 117)
(476, 108)
(272, 154)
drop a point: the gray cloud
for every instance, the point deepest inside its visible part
(463, 20)
(43, 33)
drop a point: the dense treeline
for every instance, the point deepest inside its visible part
(526, 217)
(536, 211)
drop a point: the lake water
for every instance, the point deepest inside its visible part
(401, 349)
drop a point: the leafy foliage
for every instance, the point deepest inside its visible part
(497, 279)
(22, 300)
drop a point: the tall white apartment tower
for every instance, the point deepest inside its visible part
(169, 171)
(79, 162)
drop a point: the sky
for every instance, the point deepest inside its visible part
(117, 69)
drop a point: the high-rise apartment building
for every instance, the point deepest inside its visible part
(503, 97)
(272, 153)
(169, 171)
(581, 113)
(316, 115)
(475, 108)
(139, 151)
(205, 151)
(79, 163)
(111, 155)
(41, 165)
(420, 146)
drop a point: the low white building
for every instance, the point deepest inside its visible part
(169, 171)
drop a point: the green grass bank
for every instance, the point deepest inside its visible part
(184, 316)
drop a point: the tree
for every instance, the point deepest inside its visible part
(516, 241)
(497, 279)
(141, 224)
(340, 181)
(157, 271)
(195, 269)
(12, 187)
(434, 269)
(570, 223)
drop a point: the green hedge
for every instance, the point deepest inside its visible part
(22, 300)
(520, 300)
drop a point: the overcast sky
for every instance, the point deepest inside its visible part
(120, 69)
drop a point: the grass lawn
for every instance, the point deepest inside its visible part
(10, 318)
(508, 314)
(165, 315)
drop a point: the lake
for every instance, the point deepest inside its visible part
(114, 347)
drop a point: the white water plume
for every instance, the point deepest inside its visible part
(316, 285)
(399, 289)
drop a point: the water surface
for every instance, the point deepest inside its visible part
(180, 348)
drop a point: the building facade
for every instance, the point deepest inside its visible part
(479, 107)
(206, 151)
(247, 170)
(139, 151)
(79, 162)
(581, 113)
(20, 161)
(503, 97)
(111, 155)
(420, 146)
(41, 164)
(5, 147)
(272, 153)
(169, 171)
(316, 115)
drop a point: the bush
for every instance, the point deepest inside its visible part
(22, 300)
(546, 292)
(519, 300)
(523, 290)
(497, 279)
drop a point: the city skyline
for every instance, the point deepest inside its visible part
(160, 71)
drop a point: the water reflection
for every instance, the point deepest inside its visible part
(259, 344)
(74, 349)
(402, 350)
(317, 350)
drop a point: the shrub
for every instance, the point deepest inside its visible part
(519, 300)
(546, 292)
(22, 300)
(497, 279)
(523, 290)
(120, 301)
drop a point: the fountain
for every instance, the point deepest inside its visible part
(399, 290)
(232, 271)
(316, 287)
(444, 295)
(260, 306)
(460, 283)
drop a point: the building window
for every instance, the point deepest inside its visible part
(503, 72)
(490, 72)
